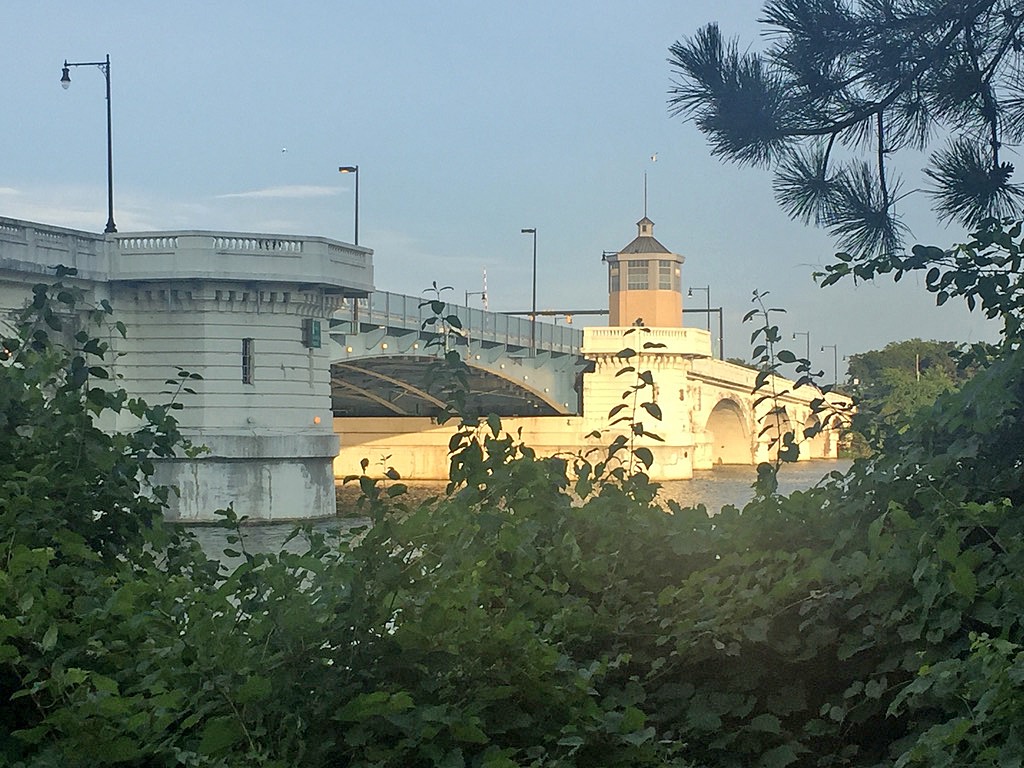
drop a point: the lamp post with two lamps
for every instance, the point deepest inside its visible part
(65, 81)
(354, 169)
(533, 305)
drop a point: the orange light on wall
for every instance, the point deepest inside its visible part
(316, 419)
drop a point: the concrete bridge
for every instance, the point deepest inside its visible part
(379, 357)
(296, 348)
(710, 412)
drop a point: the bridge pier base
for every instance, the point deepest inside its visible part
(281, 477)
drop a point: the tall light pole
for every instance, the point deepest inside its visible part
(353, 169)
(835, 362)
(707, 293)
(533, 306)
(807, 338)
(65, 81)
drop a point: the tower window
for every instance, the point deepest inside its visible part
(636, 276)
(248, 361)
(665, 282)
(613, 278)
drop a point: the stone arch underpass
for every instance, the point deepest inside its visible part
(727, 432)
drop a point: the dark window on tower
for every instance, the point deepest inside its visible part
(248, 361)
(613, 278)
(636, 276)
(665, 275)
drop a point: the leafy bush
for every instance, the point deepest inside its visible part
(520, 619)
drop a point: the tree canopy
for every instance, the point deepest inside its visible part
(893, 385)
(847, 89)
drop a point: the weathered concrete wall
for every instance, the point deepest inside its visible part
(188, 300)
(266, 478)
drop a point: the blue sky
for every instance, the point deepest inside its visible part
(469, 121)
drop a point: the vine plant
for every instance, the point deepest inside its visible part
(626, 415)
(769, 357)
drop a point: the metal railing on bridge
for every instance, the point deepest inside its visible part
(399, 312)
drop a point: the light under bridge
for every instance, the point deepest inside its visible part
(381, 351)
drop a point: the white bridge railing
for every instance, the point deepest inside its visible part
(398, 311)
(695, 342)
(28, 247)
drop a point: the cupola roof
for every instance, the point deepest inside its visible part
(645, 241)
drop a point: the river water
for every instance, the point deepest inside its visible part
(714, 488)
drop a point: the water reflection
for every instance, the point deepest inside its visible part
(716, 488)
(712, 488)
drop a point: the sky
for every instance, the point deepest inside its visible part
(469, 121)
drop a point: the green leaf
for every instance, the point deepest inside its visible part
(779, 757)
(50, 638)
(254, 688)
(964, 581)
(219, 734)
(645, 455)
(469, 733)
(653, 409)
(765, 723)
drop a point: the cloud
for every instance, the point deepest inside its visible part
(293, 192)
(9, 191)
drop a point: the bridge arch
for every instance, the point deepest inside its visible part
(727, 432)
(773, 427)
(396, 385)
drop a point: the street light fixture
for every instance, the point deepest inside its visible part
(65, 81)
(533, 306)
(353, 169)
(707, 293)
(835, 362)
(481, 294)
(807, 338)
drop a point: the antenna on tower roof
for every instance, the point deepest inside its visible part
(654, 159)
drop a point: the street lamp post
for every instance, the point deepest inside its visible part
(65, 81)
(481, 294)
(835, 362)
(807, 338)
(353, 169)
(707, 293)
(533, 306)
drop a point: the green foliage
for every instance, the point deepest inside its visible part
(894, 384)
(519, 619)
(448, 374)
(769, 358)
(985, 272)
(844, 90)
